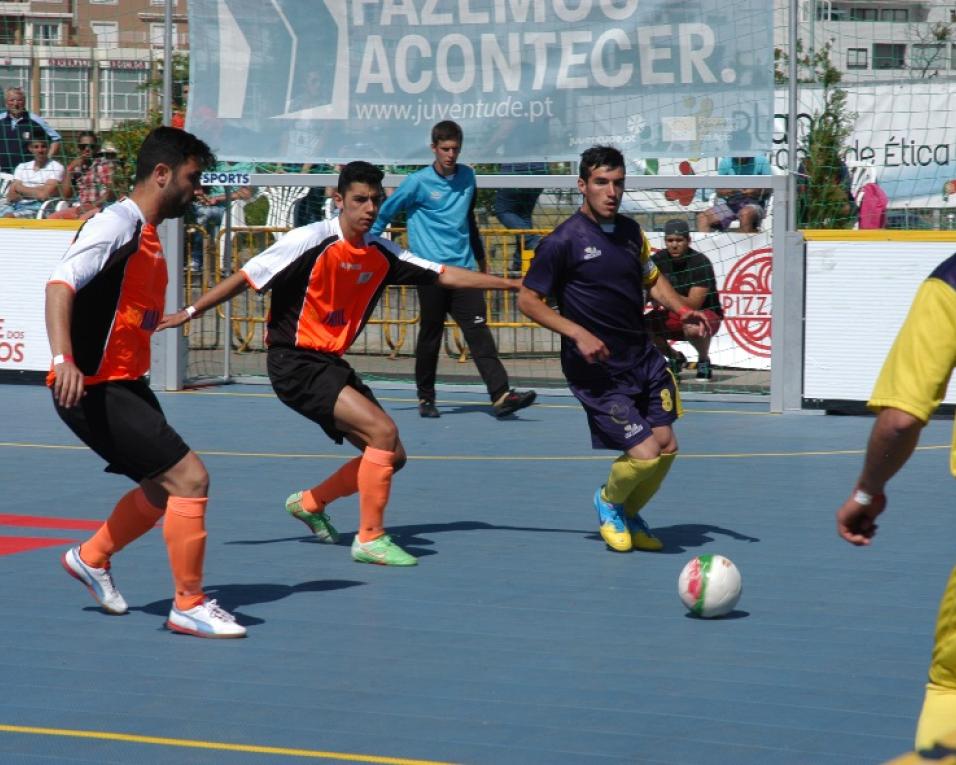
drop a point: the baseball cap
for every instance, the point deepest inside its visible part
(677, 227)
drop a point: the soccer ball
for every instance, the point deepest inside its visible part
(709, 586)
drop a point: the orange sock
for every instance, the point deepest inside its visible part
(185, 535)
(374, 484)
(132, 517)
(341, 483)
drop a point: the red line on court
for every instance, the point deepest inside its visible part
(11, 545)
(44, 522)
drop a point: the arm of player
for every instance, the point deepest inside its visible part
(532, 305)
(393, 204)
(664, 293)
(892, 441)
(225, 290)
(68, 385)
(455, 277)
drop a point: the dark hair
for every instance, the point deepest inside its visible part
(599, 156)
(39, 134)
(173, 147)
(87, 134)
(359, 172)
(447, 131)
(677, 227)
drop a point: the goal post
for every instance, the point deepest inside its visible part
(228, 344)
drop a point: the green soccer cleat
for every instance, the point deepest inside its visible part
(319, 523)
(382, 551)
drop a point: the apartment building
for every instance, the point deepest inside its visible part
(881, 40)
(83, 63)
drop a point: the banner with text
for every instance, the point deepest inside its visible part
(335, 80)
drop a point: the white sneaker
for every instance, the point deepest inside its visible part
(206, 620)
(99, 581)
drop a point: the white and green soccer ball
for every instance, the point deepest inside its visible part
(709, 586)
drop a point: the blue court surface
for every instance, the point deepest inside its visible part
(518, 639)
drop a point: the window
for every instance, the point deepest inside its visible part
(11, 31)
(122, 95)
(103, 2)
(857, 58)
(894, 14)
(889, 56)
(46, 34)
(157, 35)
(106, 33)
(18, 76)
(65, 92)
(864, 14)
(928, 56)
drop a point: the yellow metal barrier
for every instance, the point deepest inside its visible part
(250, 311)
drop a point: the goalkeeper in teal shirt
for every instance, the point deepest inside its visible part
(439, 202)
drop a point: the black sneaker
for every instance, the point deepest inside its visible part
(427, 408)
(512, 401)
(704, 370)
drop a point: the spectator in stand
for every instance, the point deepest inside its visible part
(178, 119)
(208, 210)
(312, 207)
(17, 129)
(90, 178)
(33, 182)
(515, 207)
(745, 205)
(692, 277)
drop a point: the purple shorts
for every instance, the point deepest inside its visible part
(622, 412)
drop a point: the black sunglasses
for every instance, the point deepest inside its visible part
(88, 145)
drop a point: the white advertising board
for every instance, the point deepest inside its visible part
(858, 292)
(743, 269)
(29, 250)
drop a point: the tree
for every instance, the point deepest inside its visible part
(823, 188)
(930, 51)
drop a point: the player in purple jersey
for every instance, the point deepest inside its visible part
(597, 265)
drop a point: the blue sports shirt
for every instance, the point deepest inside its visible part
(441, 216)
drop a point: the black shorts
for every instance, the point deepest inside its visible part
(310, 383)
(123, 423)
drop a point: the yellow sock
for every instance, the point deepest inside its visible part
(626, 474)
(641, 494)
(938, 717)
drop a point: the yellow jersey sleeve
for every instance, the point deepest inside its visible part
(916, 372)
(651, 272)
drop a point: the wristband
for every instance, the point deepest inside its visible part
(862, 498)
(62, 358)
(190, 311)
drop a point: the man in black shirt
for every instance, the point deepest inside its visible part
(692, 276)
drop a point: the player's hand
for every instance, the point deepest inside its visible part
(171, 320)
(696, 318)
(592, 348)
(856, 523)
(68, 387)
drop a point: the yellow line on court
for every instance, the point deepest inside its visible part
(215, 745)
(464, 402)
(493, 457)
